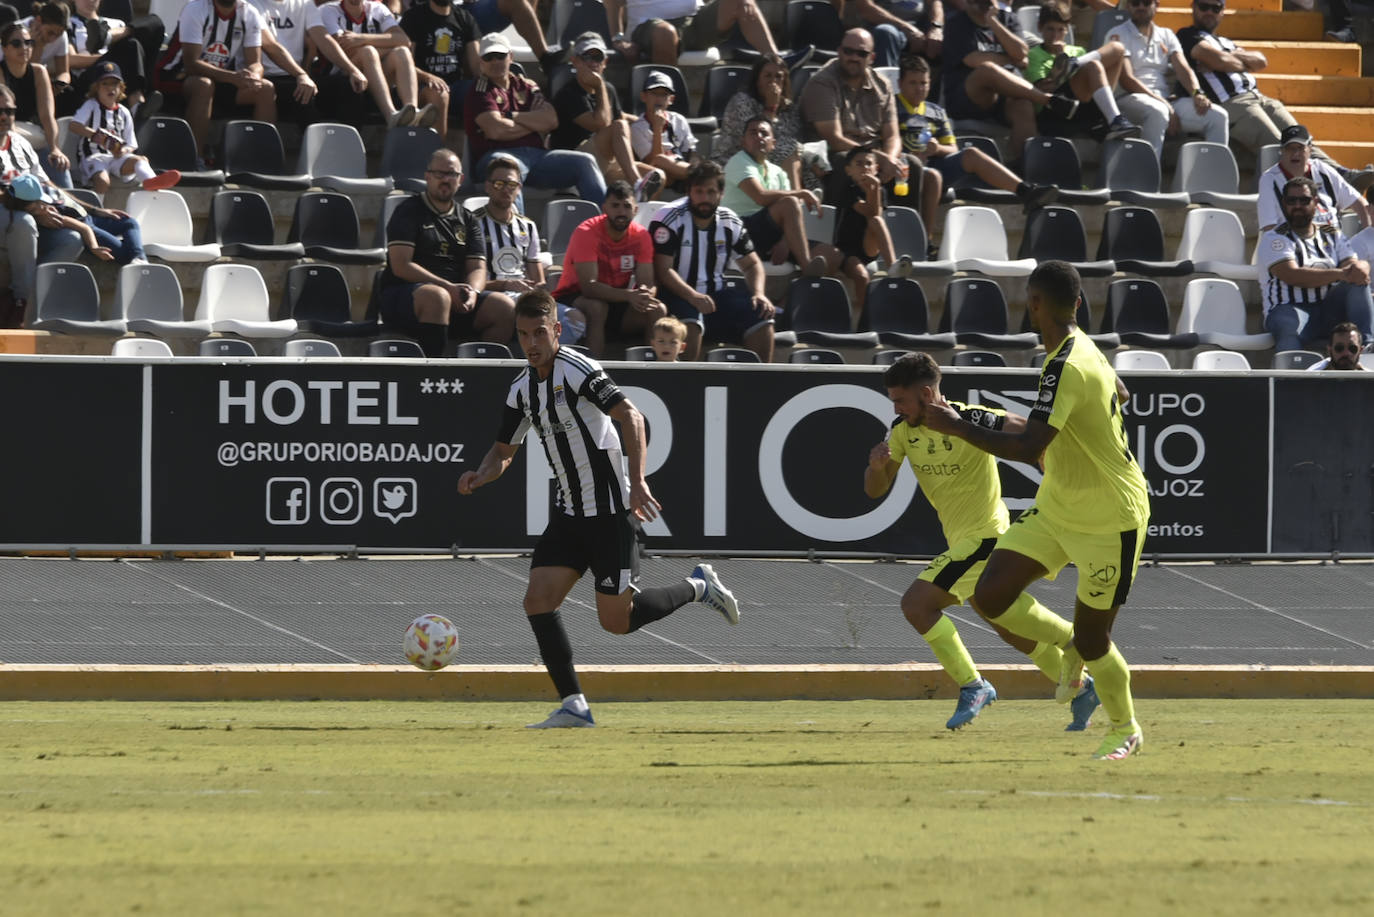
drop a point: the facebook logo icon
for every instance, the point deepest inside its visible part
(288, 501)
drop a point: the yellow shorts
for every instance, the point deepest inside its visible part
(1106, 562)
(957, 570)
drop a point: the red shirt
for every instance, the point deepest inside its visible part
(615, 260)
(520, 95)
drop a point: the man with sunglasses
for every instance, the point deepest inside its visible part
(1310, 278)
(1334, 192)
(1342, 351)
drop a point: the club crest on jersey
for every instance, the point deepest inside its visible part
(558, 396)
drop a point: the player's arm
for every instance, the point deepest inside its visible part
(642, 503)
(880, 471)
(1023, 442)
(494, 464)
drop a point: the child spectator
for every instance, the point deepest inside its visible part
(107, 131)
(860, 230)
(668, 338)
(662, 138)
(115, 238)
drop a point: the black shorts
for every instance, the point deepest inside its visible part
(605, 544)
(764, 231)
(397, 308)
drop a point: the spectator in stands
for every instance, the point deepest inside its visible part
(661, 138)
(367, 34)
(851, 106)
(1342, 24)
(434, 284)
(221, 59)
(48, 27)
(1157, 60)
(590, 119)
(1342, 350)
(134, 46)
(903, 28)
(928, 138)
(498, 15)
(286, 23)
(608, 272)
(1334, 193)
(107, 144)
(1092, 76)
(983, 59)
(693, 287)
(508, 112)
(769, 92)
(444, 43)
(1224, 69)
(658, 30)
(1311, 280)
(512, 239)
(860, 230)
(109, 235)
(36, 119)
(761, 194)
(668, 338)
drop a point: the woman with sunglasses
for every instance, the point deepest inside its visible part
(769, 93)
(35, 118)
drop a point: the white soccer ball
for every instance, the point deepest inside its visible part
(431, 642)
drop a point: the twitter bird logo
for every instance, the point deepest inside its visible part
(395, 498)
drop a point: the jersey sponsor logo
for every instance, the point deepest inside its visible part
(627, 262)
(1104, 574)
(1046, 395)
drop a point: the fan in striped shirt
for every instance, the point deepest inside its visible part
(1311, 279)
(567, 399)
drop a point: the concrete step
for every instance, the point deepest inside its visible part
(1314, 58)
(1342, 124)
(1240, 25)
(1306, 89)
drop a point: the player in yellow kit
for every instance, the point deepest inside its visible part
(1092, 507)
(962, 484)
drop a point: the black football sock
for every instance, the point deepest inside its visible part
(556, 652)
(659, 602)
(432, 338)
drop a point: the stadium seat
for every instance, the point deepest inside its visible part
(405, 156)
(399, 348)
(167, 230)
(1054, 161)
(1225, 361)
(969, 187)
(85, 196)
(389, 205)
(227, 347)
(976, 241)
(909, 238)
(233, 299)
(1133, 238)
(800, 76)
(169, 144)
(888, 357)
(1138, 312)
(140, 348)
(335, 156)
(1056, 233)
(976, 312)
(1214, 310)
(562, 217)
(327, 225)
(254, 157)
(570, 18)
(1209, 174)
(641, 353)
(814, 22)
(648, 212)
(1130, 169)
(731, 355)
(816, 356)
(318, 298)
(1083, 319)
(985, 358)
(819, 310)
(310, 347)
(1267, 157)
(1215, 242)
(1296, 359)
(483, 350)
(896, 310)
(721, 85)
(241, 222)
(1149, 360)
(149, 300)
(1104, 22)
(67, 142)
(682, 99)
(820, 226)
(67, 301)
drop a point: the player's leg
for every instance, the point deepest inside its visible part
(558, 563)
(939, 586)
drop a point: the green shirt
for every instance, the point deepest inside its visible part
(960, 480)
(743, 166)
(1092, 482)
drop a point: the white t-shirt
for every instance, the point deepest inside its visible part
(53, 49)
(637, 11)
(1150, 56)
(287, 20)
(221, 40)
(677, 137)
(377, 19)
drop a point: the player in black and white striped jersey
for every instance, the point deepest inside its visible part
(694, 243)
(1310, 278)
(567, 399)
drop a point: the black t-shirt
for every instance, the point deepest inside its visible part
(850, 225)
(443, 241)
(571, 102)
(439, 40)
(963, 37)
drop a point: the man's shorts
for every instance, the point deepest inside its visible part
(397, 308)
(732, 322)
(951, 167)
(1106, 562)
(961, 108)
(957, 570)
(488, 16)
(605, 544)
(696, 32)
(764, 230)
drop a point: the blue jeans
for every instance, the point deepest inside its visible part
(552, 169)
(1295, 325)
(19, 237)
(59, 245)
(120, 235)
(888, 44)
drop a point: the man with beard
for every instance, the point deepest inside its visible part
(694, 242)
(1310, 279)
(434, 284)
(221, 56)
(1343, 350)
(1297, 156)
(608, 272)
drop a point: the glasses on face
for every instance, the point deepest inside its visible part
(8, 112)
(1303, 201)
(494, 56)
(21, 43)
(501, 184)
(593, 57)
(1345, 348)
(1211, 7)
(444, 174)
(856, 52)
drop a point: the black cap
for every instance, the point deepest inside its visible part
(1294, 133)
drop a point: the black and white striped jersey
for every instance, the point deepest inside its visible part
(1334, 194)
(1323, 249)
(1218, 85)
(570, 412)
(17, 156)
(510, 246)
(700, 255)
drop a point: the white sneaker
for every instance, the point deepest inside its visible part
(648, 185)
(403, 117)
(717, 596)
(563, 718)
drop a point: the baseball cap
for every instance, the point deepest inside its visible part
(589, 41)
(107, 70)
(493, 43)
(1294, 133)
(26, 188)
(658, 80)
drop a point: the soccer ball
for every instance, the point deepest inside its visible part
(431, 642)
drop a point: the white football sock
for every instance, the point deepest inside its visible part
(1106, 103)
